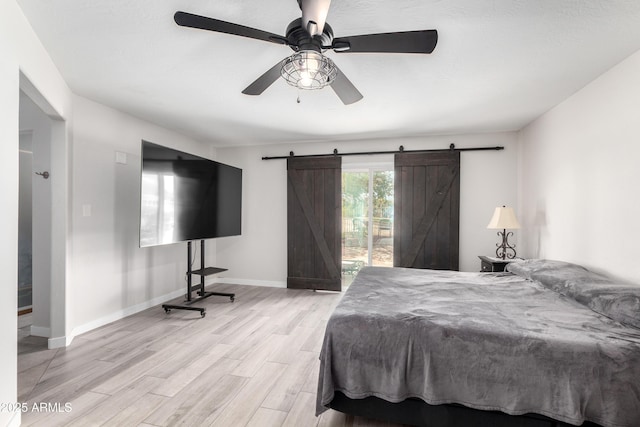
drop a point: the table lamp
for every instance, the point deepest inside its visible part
(504, 218)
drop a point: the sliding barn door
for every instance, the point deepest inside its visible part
(427, 210)
(314, 223)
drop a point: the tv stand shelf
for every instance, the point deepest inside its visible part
(202, 272)
(208, 271)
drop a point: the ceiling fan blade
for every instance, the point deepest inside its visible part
(423, 41)
(345, 90)
(185, 19)
(264, 81)
(314, 11)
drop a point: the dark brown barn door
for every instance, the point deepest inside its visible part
(427, 210)
(314, 223)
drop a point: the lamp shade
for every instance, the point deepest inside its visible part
(503, 218)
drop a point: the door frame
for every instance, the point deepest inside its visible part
(59, 335)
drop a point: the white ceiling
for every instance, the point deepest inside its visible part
(498, 64)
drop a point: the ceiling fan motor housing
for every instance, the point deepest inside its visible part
(299, 38)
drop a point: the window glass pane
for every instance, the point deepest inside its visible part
(382, 241)
(355, 216)
(367, 220)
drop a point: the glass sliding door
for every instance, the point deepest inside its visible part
(381, 242)
(367, 219)
(355, 216)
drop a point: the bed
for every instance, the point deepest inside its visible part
(548, 343)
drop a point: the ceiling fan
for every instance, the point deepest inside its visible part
(309, 36)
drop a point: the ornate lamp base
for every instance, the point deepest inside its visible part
(505, 250)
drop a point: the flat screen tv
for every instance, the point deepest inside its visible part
(185, 197)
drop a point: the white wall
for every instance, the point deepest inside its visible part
(488, 179)
(579, 170)
(9, 79)
(111, 275)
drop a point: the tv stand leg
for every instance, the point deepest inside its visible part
(232, 297)
(169, 307)
(202, 294)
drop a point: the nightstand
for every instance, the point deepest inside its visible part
(490, 264)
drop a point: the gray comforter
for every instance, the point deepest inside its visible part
(491, 341)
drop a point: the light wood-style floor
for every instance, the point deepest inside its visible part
(253, 362)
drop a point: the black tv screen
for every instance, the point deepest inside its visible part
(185, 197)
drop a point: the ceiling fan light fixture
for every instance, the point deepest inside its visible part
(308, 69)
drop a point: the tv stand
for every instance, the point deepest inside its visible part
(202, 294)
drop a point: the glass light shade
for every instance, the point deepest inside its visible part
(503, 218)
(308, 69)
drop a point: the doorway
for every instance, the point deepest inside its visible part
(367, 219)
(34, 213)
(49, 184)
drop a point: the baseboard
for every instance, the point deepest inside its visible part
(252, 282)
(59, 342)
(40, 331)
(66, 340)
